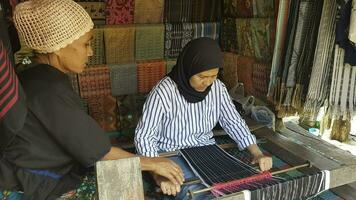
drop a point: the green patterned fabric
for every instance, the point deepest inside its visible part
(149, 42)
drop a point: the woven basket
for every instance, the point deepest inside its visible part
(149, 42)
(98, 47)
(149, 73)
(96, 10)
(95, 81)
(120, 12)
(74, 81)
(120, 44)
(230, 70)
(176, 37)
(104, 110)
(170, 64)
(148, 12)
(123, 79)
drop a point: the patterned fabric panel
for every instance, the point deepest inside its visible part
(244, 72)
(211, 30)
(260, 78)
(149, 73)
(120, 12)
(244, 38)
(147, 12)
(98, 56)
(206, 10)
(130, 109)
(176, 37)
(96, 10)
(120, 44)
(228, 35)
(177, 11)
(103, 109)
(95, 81)
(123, 79)
(149, 42)
(230, 70)
(170, 64)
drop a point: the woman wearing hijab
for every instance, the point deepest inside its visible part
(58, 138)
(184, 107)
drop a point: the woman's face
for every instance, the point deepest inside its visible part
(75, 56)
(204, 79)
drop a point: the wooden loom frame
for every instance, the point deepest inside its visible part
(323, 156)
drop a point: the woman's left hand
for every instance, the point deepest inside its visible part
(265, 162)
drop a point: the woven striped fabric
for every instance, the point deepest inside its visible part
(206, 10)
(149, 42)
(228, 38)
(74, 81)
(177, 11)
(120, 44)
(98, 56)
(230, 69)
(176, 37)
(103, 109)
(149, 73)
(96, 10)
(244, 72)
(260, 78)
(130, 109)
(260, 34)
(120, 12)
(170, 64)
(95, 81)
(123, 79)
(211, 30)
(149, 12)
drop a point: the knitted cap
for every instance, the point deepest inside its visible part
(49, 25)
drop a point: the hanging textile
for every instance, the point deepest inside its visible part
(119, 44)
(206, 10)
(97, 44)
(103, 109)
(238, 8)
(123, 79)
(148, 12)
(263, 8)
(260, 78)
(120, 12)
(149, 73)
(228, 35)
(170, 64)
(319, 81)
(96, 10)
(244, 72)
(95, 81)
(352, 30)
(176, 37)
(220, 167)
(244, 38)
(149, 42)
(130, 110)
(230, 70)
(211, 30)
(177, 11)
(261, 37)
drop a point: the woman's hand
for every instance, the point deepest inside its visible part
(265, 162)
(166, 185)
(164, 167)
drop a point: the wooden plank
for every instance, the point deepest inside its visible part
(345, 192)
(119, 179)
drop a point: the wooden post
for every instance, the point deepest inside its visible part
(119, 179)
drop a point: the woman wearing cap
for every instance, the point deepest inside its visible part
(58, 137)
(184, 107)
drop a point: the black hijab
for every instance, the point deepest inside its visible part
(198, 55)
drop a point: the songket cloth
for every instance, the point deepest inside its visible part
(230, 77)
(95, 81)
(319, 81)
(97, 43)
(211, 30)
(149, 73)
(123, 79)
(176, 37)
(149, 42)
(177, 11)
(260, 78)
(120, 44)
(148, 12)
(120, 12)
(103, 109)
(96, 10)
(228, 38)
(206, 10)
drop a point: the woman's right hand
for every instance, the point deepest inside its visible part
(166, 168)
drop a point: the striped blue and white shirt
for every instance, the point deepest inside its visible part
(169, 122)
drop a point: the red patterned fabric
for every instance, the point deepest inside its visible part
(149, 73)
(119, 12)
(260, 78)
(95, 81)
